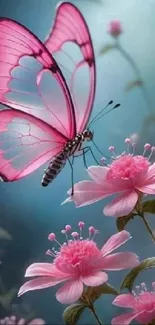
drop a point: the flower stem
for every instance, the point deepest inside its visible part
(147, 226)
(137, 72)
(95, 315)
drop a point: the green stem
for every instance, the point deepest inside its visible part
(147, 226)
(137, 72)
(95, 315)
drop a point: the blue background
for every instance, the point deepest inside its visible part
(31, 212)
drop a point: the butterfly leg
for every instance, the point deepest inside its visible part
(85, 150)
(72, 174)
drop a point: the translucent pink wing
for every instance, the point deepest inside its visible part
(25, 144)
(70, 26)
(31, 80)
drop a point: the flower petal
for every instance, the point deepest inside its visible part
(126, 300)
(37, 321)
(98, 173)
(70, 292)
(122, 204)
(86, 192)
(39, 283)
(147, 188)
(148, 183)
(124, 319)
(120, 261)
(96, 279)
(115, 241)
(43, 269)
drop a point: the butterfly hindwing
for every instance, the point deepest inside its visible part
(25, 144)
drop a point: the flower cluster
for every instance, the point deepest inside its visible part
(142, 303)
(79, 262)
(128, 176)
(13, 320)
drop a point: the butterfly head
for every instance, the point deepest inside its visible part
(88, 135)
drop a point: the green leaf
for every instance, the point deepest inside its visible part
(72, 314)
(4, 234)
(121, 222)
(91, 294)
(6, 299)
(149, 206)
(133, 84)
(105, 49)
(132, 275)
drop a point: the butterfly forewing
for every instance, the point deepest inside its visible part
(70, 27)
(17, 47)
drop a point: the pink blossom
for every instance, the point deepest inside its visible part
(115, 28)
(128, 176)
(142, 304)
(79, 262)
(13, 320)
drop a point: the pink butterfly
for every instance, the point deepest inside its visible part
(45, 118)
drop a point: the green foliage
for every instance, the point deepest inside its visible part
(6, 299)
(149, 206)
(132, 275)
(105, 49)
(4, 234)
(133, 84)
(91, 294)
(72, 313)
(121, 222)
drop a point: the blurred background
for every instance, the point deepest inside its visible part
(29, 212)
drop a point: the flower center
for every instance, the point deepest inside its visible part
(146, 300)
(127, 167)
(145, 303)
(79, 254)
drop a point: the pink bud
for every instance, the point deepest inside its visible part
(153, 149)
(81, 224)
(147, 146)
(68, 228)
(102, 160)
(51, 236)
(128, 140)
(115, 28)
(111, 148)
(92, 230)
(74, 234)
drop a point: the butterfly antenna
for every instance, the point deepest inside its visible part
(99, 117)
(94, 118)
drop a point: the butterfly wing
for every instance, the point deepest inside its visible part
(70, 26)
(35, 126)
(26, 143)
(31, 80)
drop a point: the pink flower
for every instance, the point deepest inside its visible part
(79, 262)
(12, 320)
(115, 28)
(142, 303)
(128, 176)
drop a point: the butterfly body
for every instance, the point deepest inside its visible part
(59, 161)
